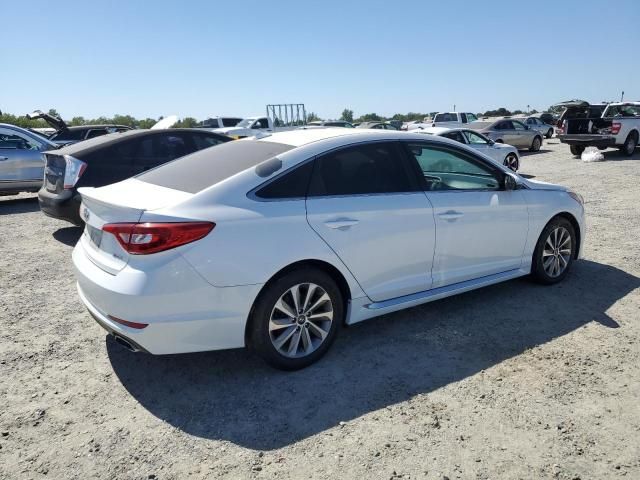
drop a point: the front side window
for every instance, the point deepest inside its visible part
(475, 138)
(448, 169)
(261, 123)
(12, 140)
(363, 169)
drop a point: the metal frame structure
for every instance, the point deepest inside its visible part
(287, 114)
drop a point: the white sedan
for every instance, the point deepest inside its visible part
(273, 243)
(502, 153)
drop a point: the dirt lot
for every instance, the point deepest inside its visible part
(513, 381)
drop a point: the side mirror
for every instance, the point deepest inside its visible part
(509, 182)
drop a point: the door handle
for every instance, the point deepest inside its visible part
(341, 223)
(450, 215)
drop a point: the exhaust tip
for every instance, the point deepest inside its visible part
(125, 343)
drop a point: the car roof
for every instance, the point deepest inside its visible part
(96, 143)
(103, 125)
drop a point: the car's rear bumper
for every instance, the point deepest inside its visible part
(184, 313)
(63, 206)
(584, 140)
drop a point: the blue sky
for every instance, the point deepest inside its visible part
(205, 58)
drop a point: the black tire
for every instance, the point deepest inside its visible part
(538, 271)
(576, 150)
(512, 162)
(536, 144)
(258, 335)
(549, 133)
(629, 146)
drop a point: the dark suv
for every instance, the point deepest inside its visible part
(109, 159)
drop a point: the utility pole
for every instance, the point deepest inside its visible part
(528, 109)
(454, 107)
(622, 96)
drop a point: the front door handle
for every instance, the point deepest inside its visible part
(341, 223)
(450, 215)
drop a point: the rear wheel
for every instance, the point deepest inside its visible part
(536, 144)
(576, 150)
(554, 252)
(296, 318)
(549, 133)
(511, 161)
(630, 144)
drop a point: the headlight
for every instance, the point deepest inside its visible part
(576, 196)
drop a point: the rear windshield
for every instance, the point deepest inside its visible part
(446, 117)
(207, 167)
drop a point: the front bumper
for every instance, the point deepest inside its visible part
(585, 140)
(184, 313)
(63, 206)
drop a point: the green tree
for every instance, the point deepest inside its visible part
(54, 113)
(370, 117)
(186, 122)
(312, 117)
(347, 115)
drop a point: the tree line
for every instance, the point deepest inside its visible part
(189, 122)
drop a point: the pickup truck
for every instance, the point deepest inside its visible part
(453, 119)
(618, 126)
(279, 117)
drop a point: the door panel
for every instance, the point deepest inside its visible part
(479, 233)
(386, 241)
(480, 229)
(20, 157)
(366, 203)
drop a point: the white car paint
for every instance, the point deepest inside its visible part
(496, 151)
(393, 251)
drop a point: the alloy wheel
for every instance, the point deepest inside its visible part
(301, 320)
(511, 162)
(557, 252)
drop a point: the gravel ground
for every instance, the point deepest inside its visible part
(512, 381)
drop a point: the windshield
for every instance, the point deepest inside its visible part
(246, 123)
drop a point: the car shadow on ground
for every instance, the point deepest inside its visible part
(232, 395)
(13, 206)
(68, 235)
(616, 156)
(527, 153)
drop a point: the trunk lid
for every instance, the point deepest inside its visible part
(123, 202)
(55, 122)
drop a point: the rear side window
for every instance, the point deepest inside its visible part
(292, 184)
(362, 169)
(205, 141)
(207, 167)
(96, 132)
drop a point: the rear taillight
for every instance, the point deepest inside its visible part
(615, 128)
(560, 128)
(145, 238)
(73, 171)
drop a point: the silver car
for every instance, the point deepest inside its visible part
(21, 159)
(509, 131)
(535, 123)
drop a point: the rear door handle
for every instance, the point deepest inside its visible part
(450, 215)
(341, 223)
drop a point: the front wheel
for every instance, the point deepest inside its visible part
(576, 150)
(511, 161)
(536, 144)
(554, 252)
(296, 318)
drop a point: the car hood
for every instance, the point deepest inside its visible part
(537, 185)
